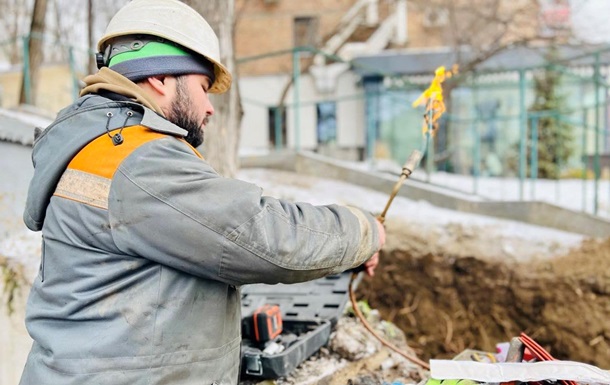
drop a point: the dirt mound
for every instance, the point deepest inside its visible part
(450, 298)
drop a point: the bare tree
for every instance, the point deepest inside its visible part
(479, 29)
(78, 28)
(14, 20)
(90, 36)
(63, 25)
(222, 134)
(35, 43)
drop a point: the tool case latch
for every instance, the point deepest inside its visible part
(254, 366)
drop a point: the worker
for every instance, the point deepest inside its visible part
(144, 245)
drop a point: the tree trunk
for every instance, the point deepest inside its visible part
(37, 28)
(222, 133)
(91, 65)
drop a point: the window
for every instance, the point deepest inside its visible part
(305, 31)
(327, 122)
(277, 127)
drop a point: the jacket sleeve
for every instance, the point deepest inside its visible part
(171, 207)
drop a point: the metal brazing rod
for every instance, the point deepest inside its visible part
(407, 170)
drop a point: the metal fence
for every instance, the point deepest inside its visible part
(488, 143)
(491, 136)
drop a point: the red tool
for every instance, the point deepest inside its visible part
(267, 322)
(539, 353)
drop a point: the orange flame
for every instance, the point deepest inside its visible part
(433, 97)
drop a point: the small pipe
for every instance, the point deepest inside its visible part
(370, 329)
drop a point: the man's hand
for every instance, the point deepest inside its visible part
(371, 264)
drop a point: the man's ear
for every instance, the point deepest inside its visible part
(158, 83)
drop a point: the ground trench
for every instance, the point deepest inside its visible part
(446, 303)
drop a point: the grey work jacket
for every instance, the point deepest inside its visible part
(145, 247)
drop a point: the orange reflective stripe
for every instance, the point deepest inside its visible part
(101, 157)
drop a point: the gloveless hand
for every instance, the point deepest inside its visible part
(371, 264)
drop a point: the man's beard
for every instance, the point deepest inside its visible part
(180, 114)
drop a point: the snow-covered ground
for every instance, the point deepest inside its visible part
(573, 194)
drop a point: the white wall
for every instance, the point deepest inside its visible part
(351, 118)
(260, 93)
(306, 129)
(257, 94)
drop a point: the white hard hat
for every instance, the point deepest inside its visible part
(174, 21)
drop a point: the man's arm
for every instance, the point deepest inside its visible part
(172, 208)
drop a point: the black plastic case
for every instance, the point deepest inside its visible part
(309, 311)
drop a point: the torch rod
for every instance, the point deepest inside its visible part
(407, 170)
(412, 161)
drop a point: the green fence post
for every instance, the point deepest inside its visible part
(370, 126)
(558, 121)
(27, 80)
(476, 137)
(583, 158)
(429, 157)
(522, 133)
(75, 85)
(372, 95)
(476, 169)
(604, 131)
(534, 156)
(296, 75)
(597, 77)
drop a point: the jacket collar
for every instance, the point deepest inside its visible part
(108, 80)
(158, 123)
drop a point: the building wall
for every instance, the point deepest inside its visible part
(259, 93)
(265, 26)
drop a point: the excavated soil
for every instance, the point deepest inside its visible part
(452, 298)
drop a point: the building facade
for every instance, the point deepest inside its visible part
(297, 79)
